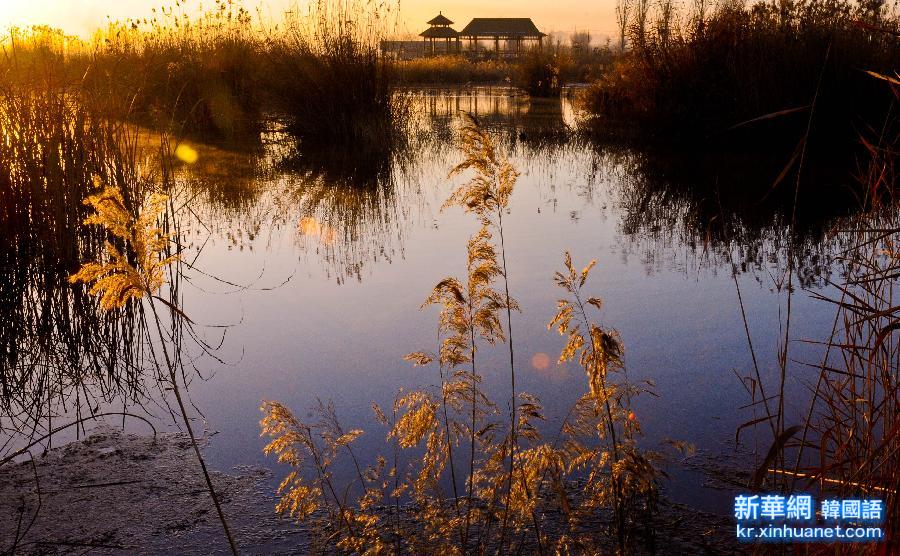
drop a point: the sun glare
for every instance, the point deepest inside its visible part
(83, 17)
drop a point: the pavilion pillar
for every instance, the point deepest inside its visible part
(497, 46)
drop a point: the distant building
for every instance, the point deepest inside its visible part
(500, 37)
(440, 34)
(513, 31)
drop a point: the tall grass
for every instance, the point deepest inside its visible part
(180, 73)
(328, 79)
(538, 72)
(77, 206)
(543, 72)
(450, 70)
(215, 75)
(845, 444)
(852, 430)
(702, 70)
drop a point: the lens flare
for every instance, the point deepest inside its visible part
(186, 154)
(540, 361)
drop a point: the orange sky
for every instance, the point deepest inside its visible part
(83, 16)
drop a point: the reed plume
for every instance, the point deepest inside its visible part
(116, 280)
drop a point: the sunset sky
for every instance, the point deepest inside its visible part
(83, 16)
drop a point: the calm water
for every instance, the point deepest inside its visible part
(319, 267)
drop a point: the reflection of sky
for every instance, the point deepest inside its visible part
(312, 338)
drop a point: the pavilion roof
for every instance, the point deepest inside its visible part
(516, 27)
(439, 33)
(440, 19)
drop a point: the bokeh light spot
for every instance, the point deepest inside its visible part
(540, 361)
(186, 154)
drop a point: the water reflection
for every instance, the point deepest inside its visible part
(712, 208)
(58, 352)
(344, 215)
(348, 212)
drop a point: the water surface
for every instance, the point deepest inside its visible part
(317, 264)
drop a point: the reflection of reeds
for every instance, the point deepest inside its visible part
(65, 356)
(54, 340)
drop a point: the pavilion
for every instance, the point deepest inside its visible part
(514, 31)
(440, 30)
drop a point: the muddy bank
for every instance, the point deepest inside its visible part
(118, 493)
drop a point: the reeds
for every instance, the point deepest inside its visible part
(540, 73)
(56, 347)
(699, 72)
(453, 70)
(849, 440)
(216, 75)
(845, 445)
(65, 356)
(509, 489)
(327, 78)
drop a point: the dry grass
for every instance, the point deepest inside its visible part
(851, 436)
(325, 75)
(55, 338)
(846, 444)
(540, 73)
(446, 70)
(78, 207)
(216, 75)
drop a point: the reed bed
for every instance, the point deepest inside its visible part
(539, 72)
(701, 70)
(180, 73)
(845, 444)
(453, 70)
(78, 207)
(326, 76)
(217, 75)
(849, 442)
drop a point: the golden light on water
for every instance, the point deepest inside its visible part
(309, 226)
(186, 153)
